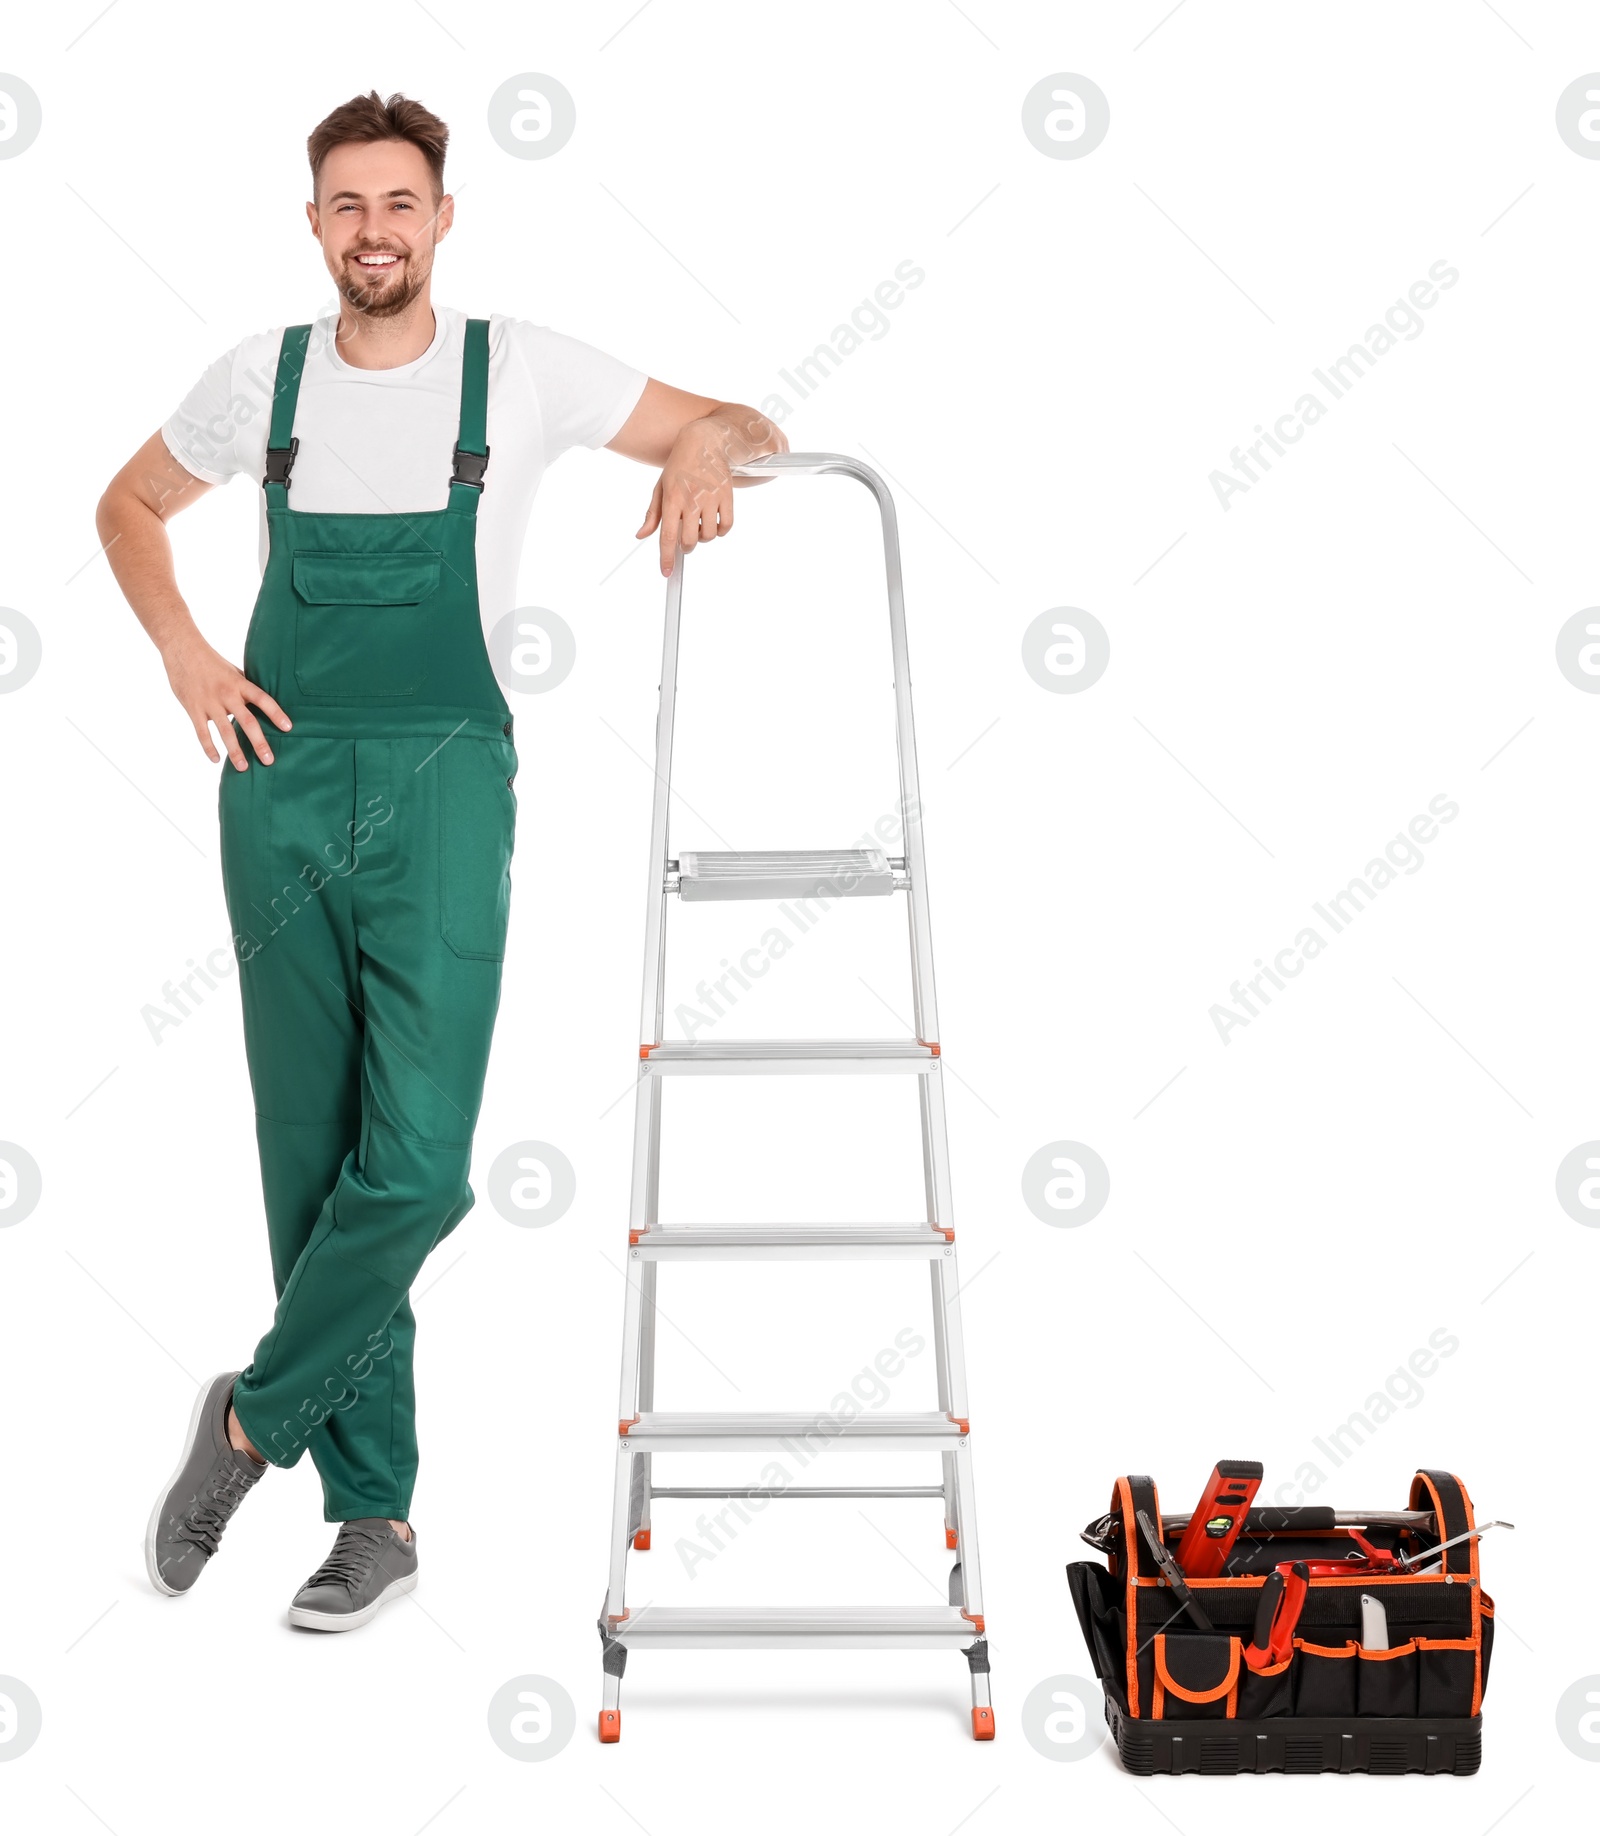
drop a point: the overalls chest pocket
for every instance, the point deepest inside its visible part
(365, 624)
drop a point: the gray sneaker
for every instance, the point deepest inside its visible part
(370, 1565)
(201, 1496)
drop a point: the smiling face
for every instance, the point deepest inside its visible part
(379, 220)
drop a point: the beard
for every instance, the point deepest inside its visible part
(381, 298)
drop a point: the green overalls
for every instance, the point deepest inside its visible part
(367, 874)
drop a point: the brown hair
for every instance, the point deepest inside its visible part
(368, 118)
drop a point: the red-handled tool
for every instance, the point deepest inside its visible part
(1218, 1518)
(1365, 1559)
(1283, 1594)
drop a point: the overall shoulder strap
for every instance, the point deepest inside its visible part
(471, 457)
(281, 444)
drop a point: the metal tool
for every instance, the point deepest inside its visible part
(1219, 1517)
(1104, 1534)
(1410, 1564)
(1374, 1624)
(1171, 1573)
(1312, 1520)
(646, 1431)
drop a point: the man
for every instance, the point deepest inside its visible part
(367, 807)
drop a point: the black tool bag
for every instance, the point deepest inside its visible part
(1182, 1700)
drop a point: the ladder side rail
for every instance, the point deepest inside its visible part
(924, 1001)
(652, 1004)
(637, 1386)
(946, 1282)
(967, 1528)
(642, 1207)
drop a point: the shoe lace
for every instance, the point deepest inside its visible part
(208, 1514)
(355, 1553)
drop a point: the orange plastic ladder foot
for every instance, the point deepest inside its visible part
(982, 1724)
(611, 1725)
(641, 1539)
(951, 1540)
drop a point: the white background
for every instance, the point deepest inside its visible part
(1370, 1161)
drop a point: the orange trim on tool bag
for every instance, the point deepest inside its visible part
(1368, 1654)
(623, 1427)
(1423, 1482)
(1200, 1586)
(1445, 1644)
(1132, 1543)
(1472, 1523)
(1122, 1500)
(1482, 1609)
(1445, 1560)
(1272, 1670)
(1348, 1649)
(1167, 1684)
(1477, 1593)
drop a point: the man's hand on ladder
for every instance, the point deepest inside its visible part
(693, 498)
(697, 442)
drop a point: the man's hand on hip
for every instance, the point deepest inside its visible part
(131, 518)
(216, 694)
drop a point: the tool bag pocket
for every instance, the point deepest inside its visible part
(362, 622)
(1446, 1670)
(1266, 1692)
(1197, 1677)
(1325, 1678)
(1094, 1594)
(1386, 1681)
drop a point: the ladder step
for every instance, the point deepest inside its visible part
(701, 1432)
(796, 1491)
(789, 873)
(839, 1628)
(789, 1242)
(731, 1056)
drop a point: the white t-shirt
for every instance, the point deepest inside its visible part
(380, 440)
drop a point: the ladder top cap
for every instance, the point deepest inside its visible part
(813, 465)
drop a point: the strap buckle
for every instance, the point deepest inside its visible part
(468, 468)
(280, 462)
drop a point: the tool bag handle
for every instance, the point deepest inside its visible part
(1132, 1494)
(1445, 1495)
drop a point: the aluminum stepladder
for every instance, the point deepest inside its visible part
(645, 1431)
